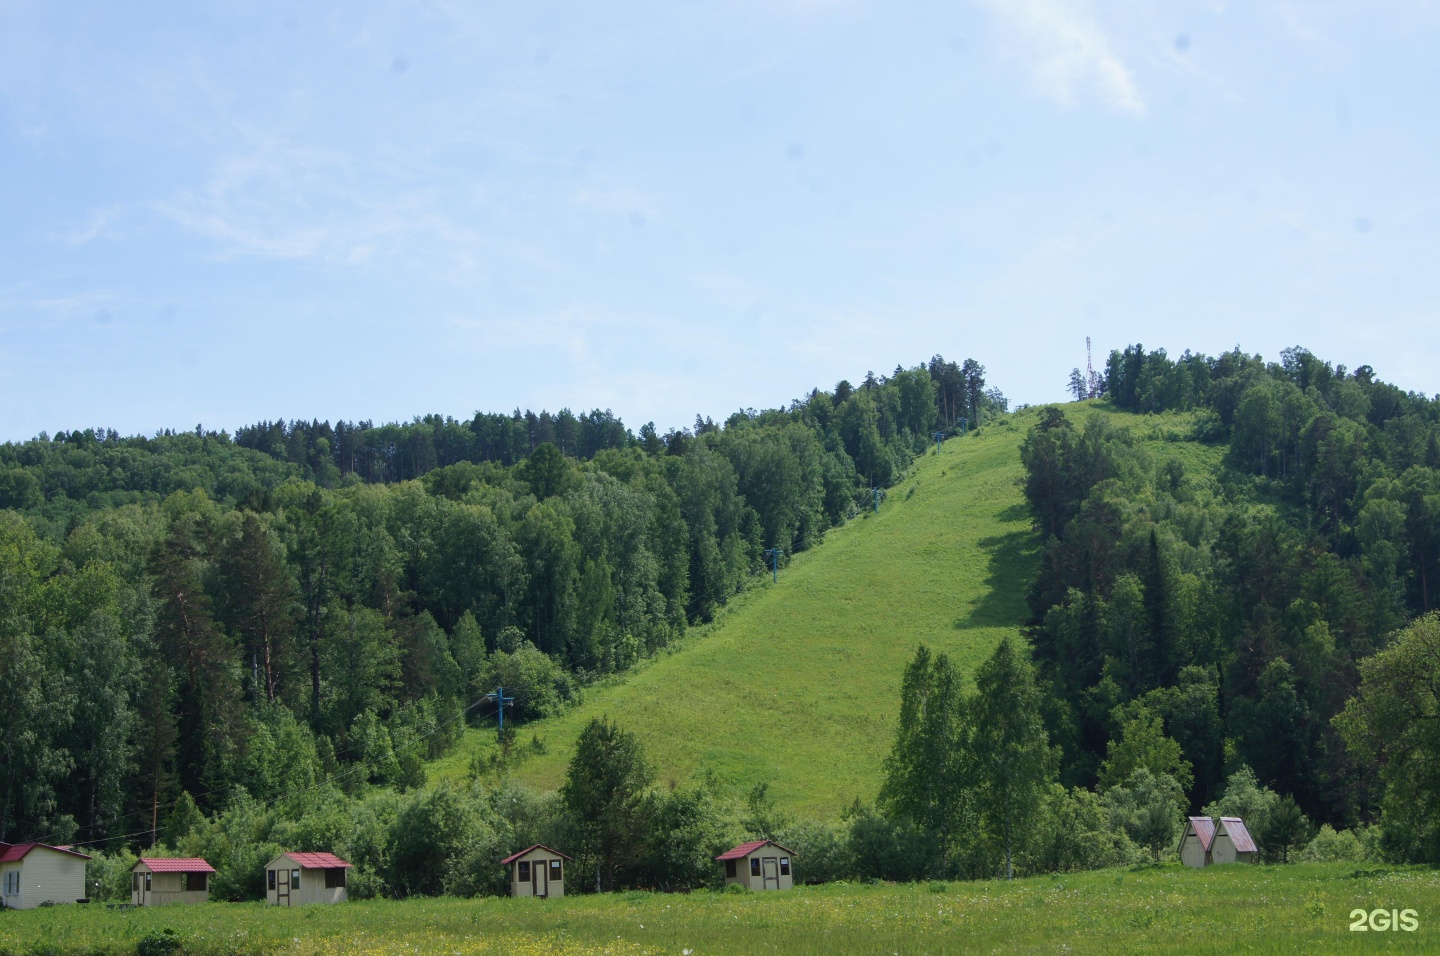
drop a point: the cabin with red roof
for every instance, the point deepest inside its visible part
(537, 871)
(293, 879)
(35, 873)
(1206, 843)
(156, 881)
(758, 865)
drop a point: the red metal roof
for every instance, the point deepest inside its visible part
(318, 861)
(189, 864)
(1239, 834)
(1205, 830)
(539, 846)
(745, 849)
(20, 850)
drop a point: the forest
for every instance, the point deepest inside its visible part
(1238, 612)
(200, 618)
(229, 645)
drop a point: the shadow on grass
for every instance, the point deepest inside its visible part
(1013, 561)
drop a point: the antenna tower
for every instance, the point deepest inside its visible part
(1092, 387)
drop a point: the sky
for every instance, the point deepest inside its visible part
(382, 210)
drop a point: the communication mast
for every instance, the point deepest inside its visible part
(1092, 382)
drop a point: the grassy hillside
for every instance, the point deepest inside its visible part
(1252, 909)
(797, 684)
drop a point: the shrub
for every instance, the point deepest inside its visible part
(160, 942)
(111, 871)
(1361, 845)
(821, 852)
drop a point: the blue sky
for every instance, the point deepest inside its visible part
(262, 210)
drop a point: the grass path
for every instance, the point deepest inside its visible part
(797, 685)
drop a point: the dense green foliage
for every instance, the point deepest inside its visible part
(970, 772)
(1192, 616)
(246, 619)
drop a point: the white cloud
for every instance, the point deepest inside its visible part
(1068, 51)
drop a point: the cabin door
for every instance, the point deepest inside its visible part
(282, 887)
(770, 873)
(539, 879)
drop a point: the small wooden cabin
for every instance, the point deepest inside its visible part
(537, 871)
(1233, 843)
(292, 879)
(759, 865)
(1205, 843)
(1196, 842)
(155, 881)
(36, 873)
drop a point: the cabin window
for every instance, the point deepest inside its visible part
(730, 869)
(270, 880)
(524, 871)
(754, 866)
(12, 882)
(184, 882)
(134, 881)
(147, 882)
(199, 882)
(554, 871)
(784, 866)
(294, 879)
(335, 878)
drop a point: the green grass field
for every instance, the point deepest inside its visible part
(1233, 909)
(797, 684)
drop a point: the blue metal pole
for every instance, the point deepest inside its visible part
(500, 701)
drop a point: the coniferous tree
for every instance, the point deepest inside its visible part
(259, 604)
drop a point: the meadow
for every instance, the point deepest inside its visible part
(1166, 909)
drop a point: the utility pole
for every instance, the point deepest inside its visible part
(500, 700)
(939, 440)
(875, 493)
(774, 555)
(962, 422)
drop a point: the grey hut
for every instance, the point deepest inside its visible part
(292, 879)
(155, 882)
(1233, 843)
(537, 871)
(759, 865)
(1197, 841)
(1205, 843)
